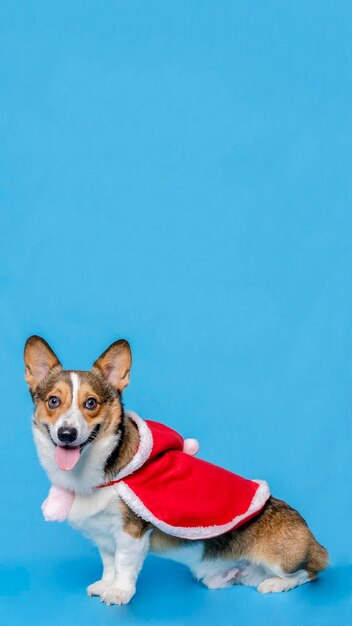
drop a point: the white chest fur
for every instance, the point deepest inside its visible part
(98, 516)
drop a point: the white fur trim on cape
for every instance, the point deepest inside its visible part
(144, 449)
(201, 532)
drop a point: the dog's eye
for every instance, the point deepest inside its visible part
(54, 402)
(90, 404)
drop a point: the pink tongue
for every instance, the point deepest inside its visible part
(66, 458)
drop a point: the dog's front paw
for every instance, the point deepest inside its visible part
(118, 595)
(98, 588)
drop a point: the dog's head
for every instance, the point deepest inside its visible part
(76, 409)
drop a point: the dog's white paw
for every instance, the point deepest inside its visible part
(98, 588)
(275, 585)
(118, 595)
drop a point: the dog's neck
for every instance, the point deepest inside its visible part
(99, 462)
(124, 450)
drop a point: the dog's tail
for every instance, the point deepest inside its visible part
(317, 558)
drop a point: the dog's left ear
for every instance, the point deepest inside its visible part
(115, 364)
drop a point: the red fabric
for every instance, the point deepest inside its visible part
(186, 492)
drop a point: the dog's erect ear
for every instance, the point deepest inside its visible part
(115, 364)
(39, 359)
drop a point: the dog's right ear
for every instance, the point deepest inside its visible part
(39, 359)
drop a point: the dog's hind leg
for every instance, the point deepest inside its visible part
(284, 583)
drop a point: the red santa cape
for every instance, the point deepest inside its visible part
(180, 494)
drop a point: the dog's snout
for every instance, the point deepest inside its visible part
(67, 434)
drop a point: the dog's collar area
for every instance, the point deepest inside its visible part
(91, 438)
(141, 454)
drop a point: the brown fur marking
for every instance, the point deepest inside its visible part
(132, 524)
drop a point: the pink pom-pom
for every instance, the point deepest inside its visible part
(191, 446)
(57, 505)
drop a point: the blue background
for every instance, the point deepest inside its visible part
(179, 174)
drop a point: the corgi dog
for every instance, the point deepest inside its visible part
(85, 439)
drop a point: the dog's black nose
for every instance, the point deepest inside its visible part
(66, 434)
